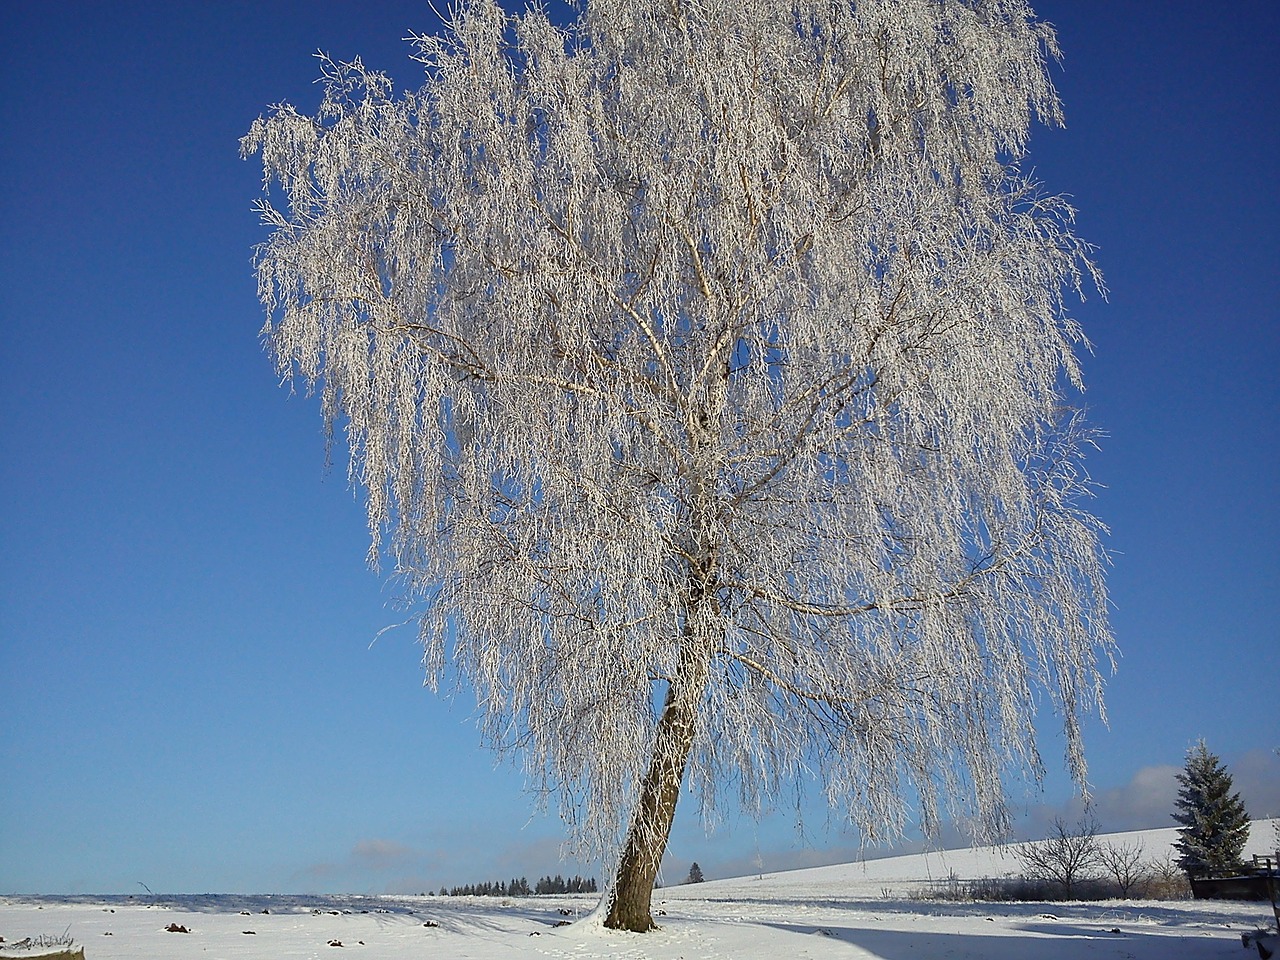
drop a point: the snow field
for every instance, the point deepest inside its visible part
(859, 911)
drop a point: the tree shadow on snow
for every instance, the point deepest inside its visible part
(1049, 941)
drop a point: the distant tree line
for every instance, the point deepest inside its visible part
(519, 887)
(559, 884)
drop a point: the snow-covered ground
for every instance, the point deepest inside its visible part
(851, 911)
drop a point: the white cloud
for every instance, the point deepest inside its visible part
(381, 854)
(1256, 775)
(369, 866)
(1147, 800)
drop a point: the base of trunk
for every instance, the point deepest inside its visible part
(630, 909)
(631, 922)
(650, 828)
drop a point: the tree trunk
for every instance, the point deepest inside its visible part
(646, 840)
(632, 889)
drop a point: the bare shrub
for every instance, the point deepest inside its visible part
(1167, 880)
(1067, 857)
(1124, 864)
(986, 890)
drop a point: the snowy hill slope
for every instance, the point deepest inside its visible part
(903, 876)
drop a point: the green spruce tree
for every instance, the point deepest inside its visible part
(1214, 822)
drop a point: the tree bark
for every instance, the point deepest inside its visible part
(632, 889)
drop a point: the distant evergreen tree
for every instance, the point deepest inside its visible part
(695, 874)
(1215, 825)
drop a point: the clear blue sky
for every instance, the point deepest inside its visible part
(188, 696)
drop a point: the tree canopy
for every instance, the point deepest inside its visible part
(706, 369)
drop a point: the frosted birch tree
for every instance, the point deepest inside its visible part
(706, 369)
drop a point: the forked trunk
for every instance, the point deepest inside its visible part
(632, 889)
